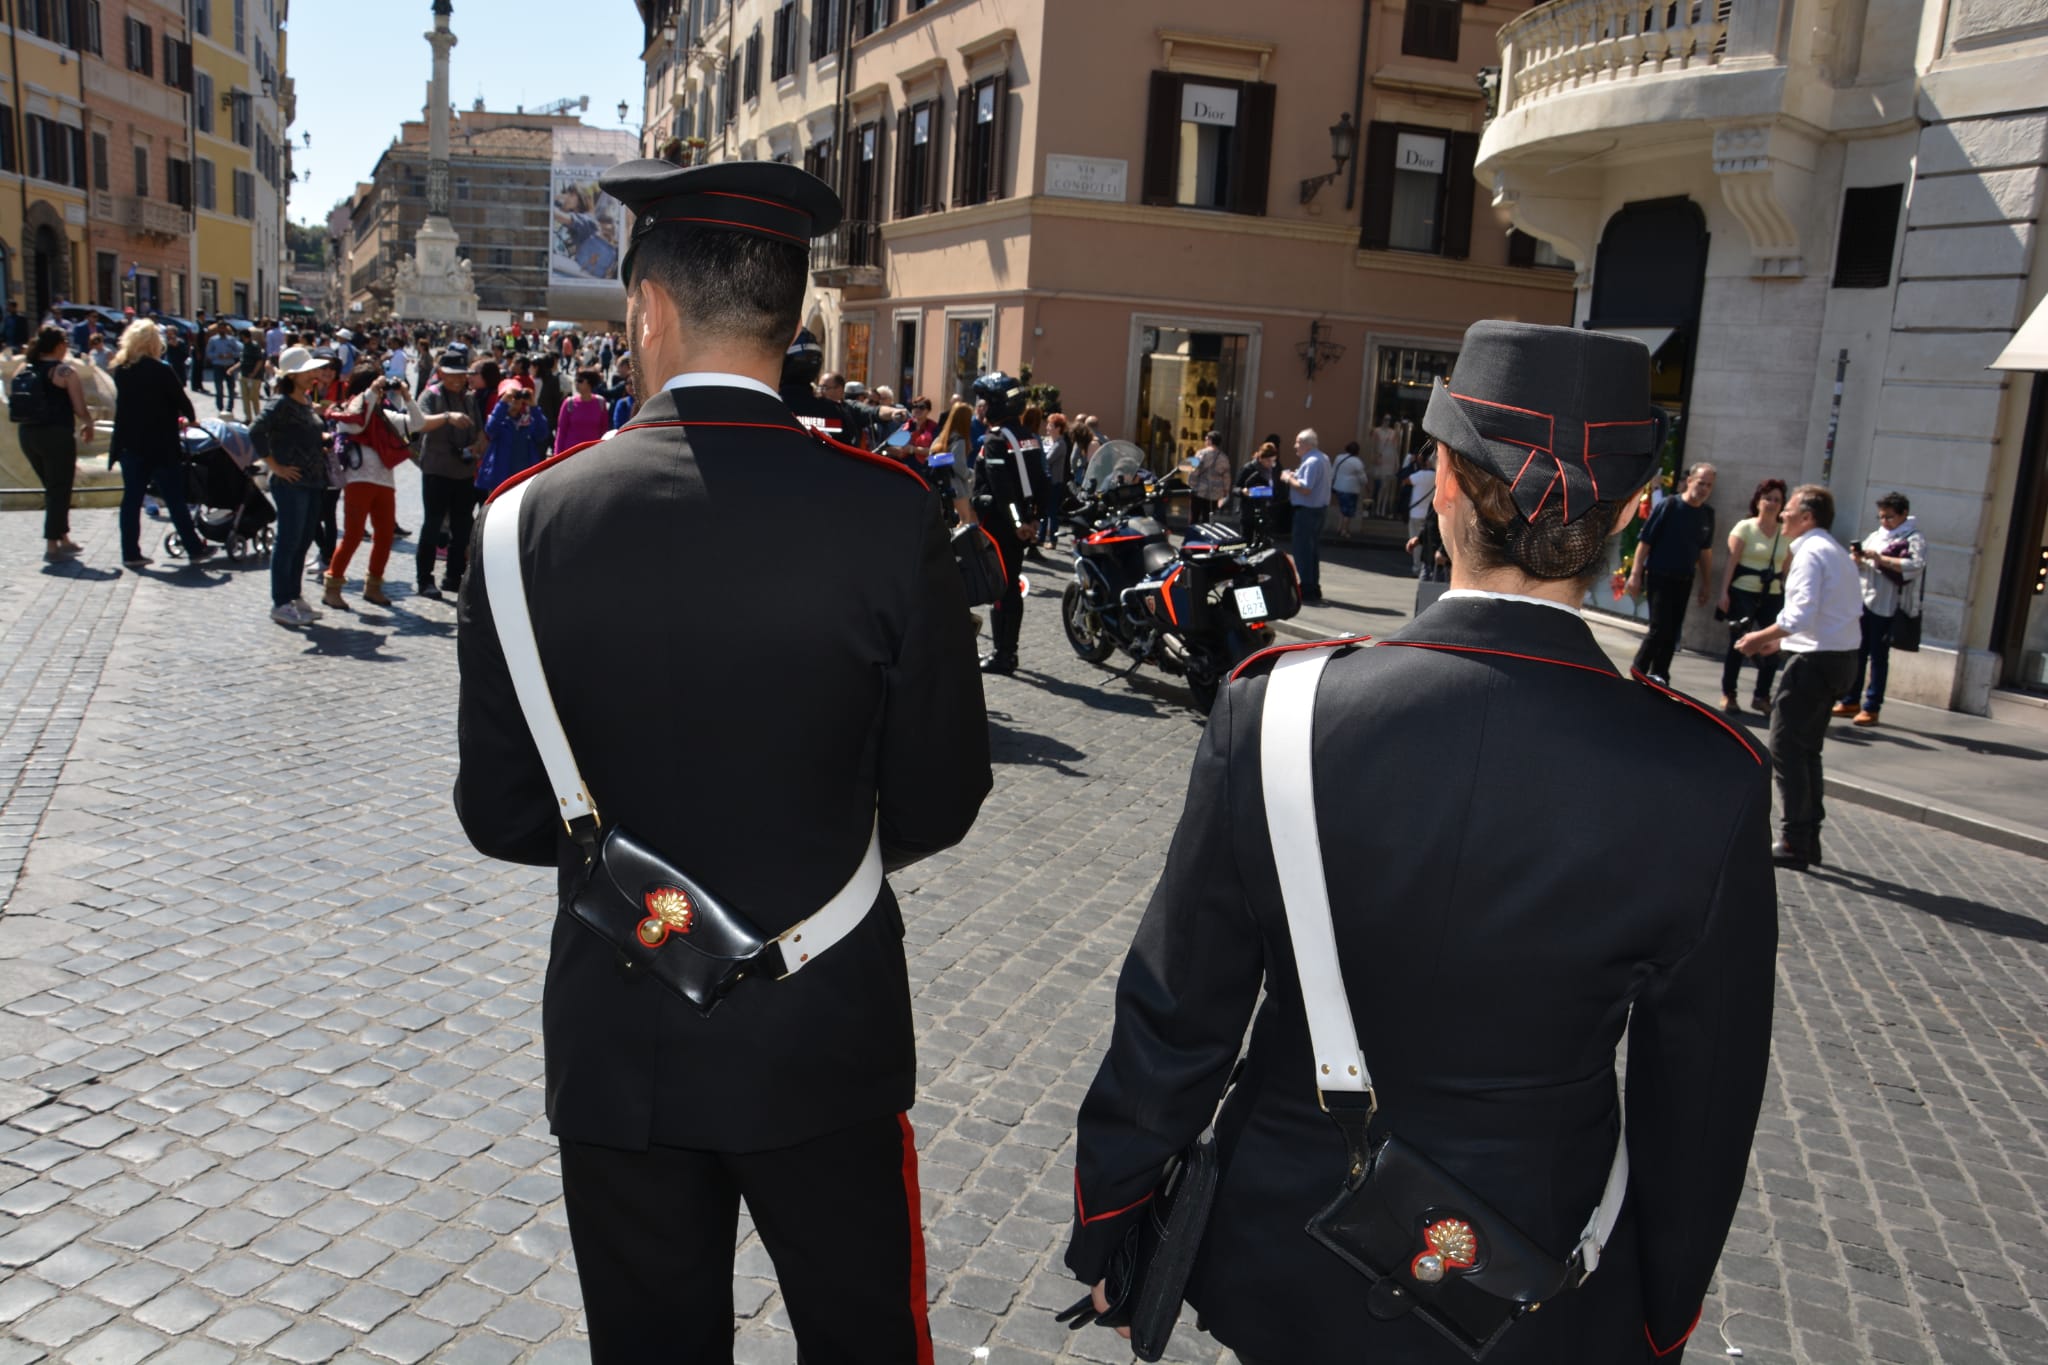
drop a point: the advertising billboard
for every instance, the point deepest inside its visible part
(586, 227)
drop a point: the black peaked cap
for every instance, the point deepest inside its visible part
(1556, 412)
(768, 198)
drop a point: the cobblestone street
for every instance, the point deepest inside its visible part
(270, 1047)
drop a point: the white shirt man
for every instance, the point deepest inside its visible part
(1819, 630)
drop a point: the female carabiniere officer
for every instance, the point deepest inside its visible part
(1492, 961)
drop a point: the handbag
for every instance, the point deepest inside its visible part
(1426, 1243)
(656, 917)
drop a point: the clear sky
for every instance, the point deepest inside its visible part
(361, 69)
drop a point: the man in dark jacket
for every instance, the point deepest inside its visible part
(1503, 946)
(840, 720)
(447, 476)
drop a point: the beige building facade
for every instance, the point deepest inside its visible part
(1137, 202)
(1825, 216)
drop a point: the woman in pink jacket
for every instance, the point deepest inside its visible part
(583, 416)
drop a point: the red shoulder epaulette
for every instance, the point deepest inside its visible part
(549, 463)
(1740, 738)
(884, 461)
(1272, 652)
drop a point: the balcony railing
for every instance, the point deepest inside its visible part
(142, 215)
(852, 246)
(1568, 44)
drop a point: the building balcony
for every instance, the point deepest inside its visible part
(848, 257)
(146, 216)
(1578, 73)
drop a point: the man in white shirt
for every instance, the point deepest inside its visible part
(1820, 631)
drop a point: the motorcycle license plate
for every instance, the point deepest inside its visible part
(1251, 604)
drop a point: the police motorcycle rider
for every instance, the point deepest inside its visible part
(1009, 481)
(802, 363)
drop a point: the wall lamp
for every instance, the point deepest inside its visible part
(1343, 142)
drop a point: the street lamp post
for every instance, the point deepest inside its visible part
(1343, 142)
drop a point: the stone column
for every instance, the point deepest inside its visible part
(441, 40)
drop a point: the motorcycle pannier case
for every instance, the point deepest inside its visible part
(1271, 574)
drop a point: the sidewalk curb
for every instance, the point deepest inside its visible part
(2028, 842)
(2031, 843)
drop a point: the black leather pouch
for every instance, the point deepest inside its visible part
(981, 568)
(1147, 1276)
(1431, 1247)
(665, 924)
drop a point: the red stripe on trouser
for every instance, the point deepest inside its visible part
(920, 1322)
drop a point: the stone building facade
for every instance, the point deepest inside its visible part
(1824, 215)
(1140, 201)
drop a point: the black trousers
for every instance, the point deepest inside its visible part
(1808, 687)
(324, 533)
(452, 500)
(52, 451)
(1669, 593)
(839, 1216)
(1006, 618)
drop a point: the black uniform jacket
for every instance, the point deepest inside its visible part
(1519, 843)
(745, 688)
(1008, 459)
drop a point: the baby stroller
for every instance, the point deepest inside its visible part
(227, 506)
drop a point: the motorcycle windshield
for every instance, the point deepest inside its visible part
(1114, 462)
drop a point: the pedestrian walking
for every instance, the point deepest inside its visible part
(1819, 631)
(1674, 563)
(293, 444)
(374, 441)
(250, 367)
(1418, 491)
(1349, 485)
(1425, 1138)
(518, 437)
(149, 401)
(48, 410)
(1893, 563)
(1308, 492)
(1753, 589)
(583, 415)
(1059, 477)
(658, 1099)
(221, 355)
(1209, 483)
(447, 477)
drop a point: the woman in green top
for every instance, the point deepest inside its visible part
(1753, 589)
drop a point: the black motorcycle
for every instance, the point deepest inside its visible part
(1196, 611)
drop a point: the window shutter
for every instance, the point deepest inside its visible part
(849, 164)
(963, 138)
(1377, 226)
(1521, 248)
(934, 190)
(998, 139)
(901, 194)
(1869, 229)
(1458, 194)
(1162, 139)
(1253, 155)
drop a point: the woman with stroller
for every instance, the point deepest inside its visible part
(373, 445)
(149, 400)
(292, 442)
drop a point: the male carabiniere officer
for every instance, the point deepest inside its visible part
(1492, 960)
(754, 703)
(1009, 483)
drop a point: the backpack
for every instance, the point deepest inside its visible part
(34, 400)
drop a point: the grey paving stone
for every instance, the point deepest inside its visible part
(177, 1311)
(61, 1321)
(120, 1344)
(310, 1342)
(246, 1327)
(21, 1292)
(362, 1307)
(407, 1338)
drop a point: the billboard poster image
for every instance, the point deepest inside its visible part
(587, 230)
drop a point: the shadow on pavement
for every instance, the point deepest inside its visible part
(1009, 745)
(1924, 741)
(1098, 698)
(345, 642)
(84, 573)
(1955, 910)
